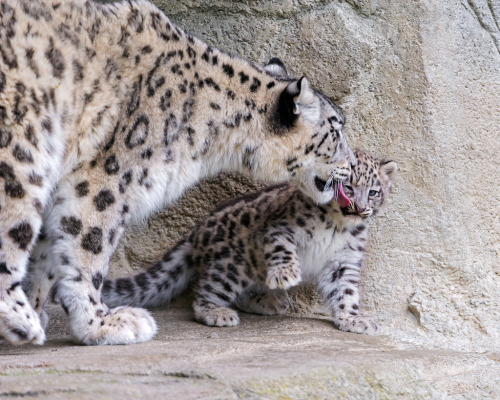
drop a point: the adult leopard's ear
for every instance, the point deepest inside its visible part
(387, 170)
(298, 100)
(276, 67)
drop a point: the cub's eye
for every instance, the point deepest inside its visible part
(373, 193)
(348, 188)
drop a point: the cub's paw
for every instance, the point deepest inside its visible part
(271, 303)
(357, 324)
(19, 323)
(283, 277)
(121, 325)
(216, 316)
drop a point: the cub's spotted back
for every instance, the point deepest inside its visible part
(108, 112)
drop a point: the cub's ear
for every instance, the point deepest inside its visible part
(276, 67)
(388, 169)
(298, 100)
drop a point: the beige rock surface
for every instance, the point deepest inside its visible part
(262, 359)
(419, 82)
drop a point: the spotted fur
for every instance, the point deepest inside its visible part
(251, 248)
(108, 112)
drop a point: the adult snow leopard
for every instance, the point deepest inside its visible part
(251, 248)
(108, 112)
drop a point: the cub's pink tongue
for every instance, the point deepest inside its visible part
(342, 198)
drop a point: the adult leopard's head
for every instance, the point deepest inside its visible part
(308, 130)
(368, 186)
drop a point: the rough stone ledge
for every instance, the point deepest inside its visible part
(263, 358)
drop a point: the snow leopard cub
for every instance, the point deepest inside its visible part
(250, 249)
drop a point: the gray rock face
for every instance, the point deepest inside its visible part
(419, 82)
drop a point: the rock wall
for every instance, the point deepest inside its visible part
(419, 82)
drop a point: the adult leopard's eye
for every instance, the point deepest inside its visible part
(373, 193)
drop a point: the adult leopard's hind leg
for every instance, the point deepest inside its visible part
(28, 161)
(85, 224)
(19, 323)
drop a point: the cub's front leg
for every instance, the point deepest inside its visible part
(280, 255)
(339, 285)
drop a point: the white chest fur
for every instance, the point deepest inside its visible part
(326, 246)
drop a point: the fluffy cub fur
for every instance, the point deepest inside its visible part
(108, 112)
(250, 249)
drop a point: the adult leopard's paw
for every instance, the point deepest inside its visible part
(121, 325)
(19, 323)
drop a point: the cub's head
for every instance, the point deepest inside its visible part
(309, 129)
(368, 186)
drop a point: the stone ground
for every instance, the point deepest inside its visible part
(263, 358)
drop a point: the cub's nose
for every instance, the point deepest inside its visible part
(359, 209)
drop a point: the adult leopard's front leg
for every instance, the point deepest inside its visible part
(85, 225)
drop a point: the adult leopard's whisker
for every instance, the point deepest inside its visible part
(328, 183)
